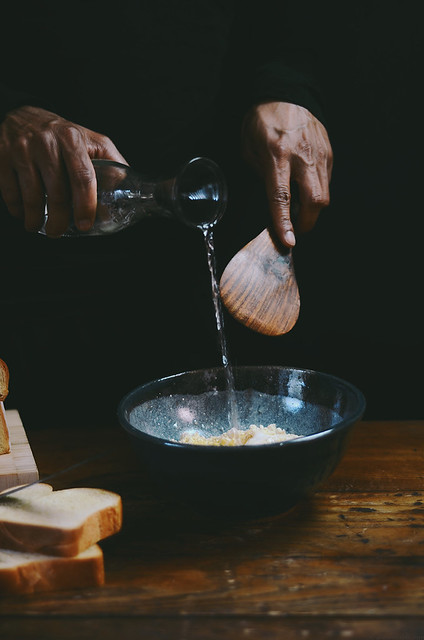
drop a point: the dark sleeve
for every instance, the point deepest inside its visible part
(275, 81)
(280, 51)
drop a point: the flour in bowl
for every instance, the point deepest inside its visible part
(238, 437)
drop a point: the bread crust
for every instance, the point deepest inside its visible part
(4, 390)
(4, 380)
(4, 432)
(22, 572)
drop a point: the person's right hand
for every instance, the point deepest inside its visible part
(42, 154)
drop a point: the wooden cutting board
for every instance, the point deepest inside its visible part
(18, 466)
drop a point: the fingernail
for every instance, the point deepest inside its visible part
(290, 238)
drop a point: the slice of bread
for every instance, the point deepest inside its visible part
(4, 390)
(22, 572)
(58, 523)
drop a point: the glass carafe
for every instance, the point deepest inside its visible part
(197, 196)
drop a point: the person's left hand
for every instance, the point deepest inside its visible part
(286, 143)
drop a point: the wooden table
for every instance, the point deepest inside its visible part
(347, 563)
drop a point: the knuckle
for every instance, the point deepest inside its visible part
(107, 142)
(279, 150)
(69, 132)
(312, 156)
(322, 155)
(281, 196)
(82, 176)
(24, 146)
(21, 146)
(46, 139)
(305, 151)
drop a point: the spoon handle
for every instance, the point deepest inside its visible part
(259, 287)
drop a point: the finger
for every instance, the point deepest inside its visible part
(314, 195)
(32, 193)
(82, 179)
(59, 202)
(277, 185)
(10, 192)
(56, 185)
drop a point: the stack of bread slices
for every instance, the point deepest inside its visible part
(49, 539)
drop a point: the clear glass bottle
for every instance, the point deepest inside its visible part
(197, 196)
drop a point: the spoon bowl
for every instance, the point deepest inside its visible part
(259, 288)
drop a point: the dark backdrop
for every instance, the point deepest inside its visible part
(81, 336)
(360, 270)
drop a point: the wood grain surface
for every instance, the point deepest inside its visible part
(346, 563)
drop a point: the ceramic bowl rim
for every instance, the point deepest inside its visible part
(344, 424)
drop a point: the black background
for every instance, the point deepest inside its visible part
(79, 336)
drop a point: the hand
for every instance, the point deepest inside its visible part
(43, 154)
(285, 143)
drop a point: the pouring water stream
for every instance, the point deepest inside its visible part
(219, 318)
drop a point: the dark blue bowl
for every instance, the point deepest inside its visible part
(252, 481)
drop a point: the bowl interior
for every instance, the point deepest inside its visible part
(301, 401)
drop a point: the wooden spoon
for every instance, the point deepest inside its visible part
(259, 287)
